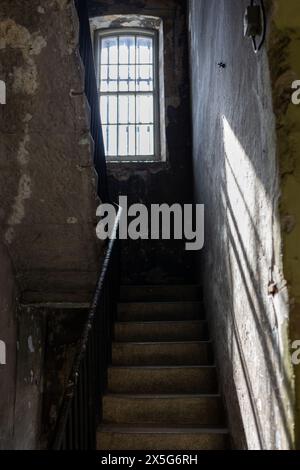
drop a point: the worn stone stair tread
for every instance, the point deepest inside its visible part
(152, 353)
(162, 367)
(178, 409)
(161, 331)
(160, 293)
(149, 429)
(160, 303)
(162, 322)
(157, 437)
(162, 379)
(165, 310)
(150, 396)
(169, 343)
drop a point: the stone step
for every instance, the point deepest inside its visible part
(151, 354)
(179, 380)
(161, 331)
(200, 410)
(160, 311)
(160, 293)
(119, 437)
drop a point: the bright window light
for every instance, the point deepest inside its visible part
(128, 94)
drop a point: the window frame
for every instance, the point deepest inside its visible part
(141, 32)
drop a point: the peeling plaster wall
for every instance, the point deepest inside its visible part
(154, 262)
(47, 179)
(48, 246)
(284, 53)
(236, 177)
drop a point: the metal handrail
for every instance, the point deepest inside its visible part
(81, 408)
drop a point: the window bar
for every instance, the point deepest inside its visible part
(118, 96)
(135, 96)
(128, 100)
(108, 104)
(154, 97)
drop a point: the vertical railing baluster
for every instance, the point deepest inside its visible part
(75, 408)
(81, 409)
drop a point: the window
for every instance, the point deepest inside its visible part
(129, 94)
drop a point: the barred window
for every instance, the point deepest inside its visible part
(129, 94)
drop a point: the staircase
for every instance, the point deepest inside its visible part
(162, 389)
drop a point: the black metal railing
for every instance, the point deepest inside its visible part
(81, 408)
(91, 91)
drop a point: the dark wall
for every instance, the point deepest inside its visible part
(153, 183)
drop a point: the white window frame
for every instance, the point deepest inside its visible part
(159, 139)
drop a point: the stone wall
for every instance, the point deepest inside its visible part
(47, 179)
(284, 57)
(236, 177)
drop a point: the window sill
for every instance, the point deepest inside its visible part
(137, 162)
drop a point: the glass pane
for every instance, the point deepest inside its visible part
(144, 109)
(111, 44)
(127, 50)
(126, 140)
(109, 77)
(104, 86)
(145, 140)
(127, 109)
(132, 78)
(103, 109)
(104, 51)
(131, 136)
(123, 140)
(146, 72)
(113, 72)
(145, 78)
(110, 140)
(124, 72)
(112, 110)
(112, 85)
(144, 50)
(123, 85)
(104, 72)
(127, 78)
(113, 78)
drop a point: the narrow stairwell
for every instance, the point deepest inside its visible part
(162, 389)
